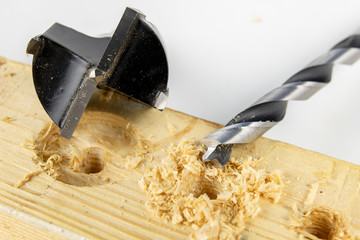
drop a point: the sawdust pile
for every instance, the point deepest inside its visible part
(215, 201)
(48, 159)
(324, 223)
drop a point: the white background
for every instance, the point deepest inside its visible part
(223, 55)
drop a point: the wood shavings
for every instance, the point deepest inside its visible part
(133, 162)
(215, 202)
(48, 160)
(51, 166)
(324, 223)
(27, 178)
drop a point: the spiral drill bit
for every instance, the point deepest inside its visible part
(270, 109)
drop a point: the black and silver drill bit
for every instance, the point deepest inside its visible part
(270, 109)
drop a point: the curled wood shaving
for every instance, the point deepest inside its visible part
(215, 201)
(27, 178)
(48, 160)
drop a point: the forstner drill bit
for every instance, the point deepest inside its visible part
(270, 109)
(68, 67)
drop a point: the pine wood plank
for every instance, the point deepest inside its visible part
(45, 208)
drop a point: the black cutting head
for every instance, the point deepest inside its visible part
(68, 66)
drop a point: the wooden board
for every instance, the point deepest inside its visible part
(110, 205)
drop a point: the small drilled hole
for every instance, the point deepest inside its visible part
(82, 160)
(93, 161)
(211, 188)
(323, 223)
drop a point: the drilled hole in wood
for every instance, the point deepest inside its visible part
(324, 223)
(92, 161)
(99, 138)
(205, 186)
(321, 228)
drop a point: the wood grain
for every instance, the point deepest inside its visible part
(45, 208)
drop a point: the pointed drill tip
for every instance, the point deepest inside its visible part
(220, 152)
(207, 157)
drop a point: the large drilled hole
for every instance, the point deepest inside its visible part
(205, 186)
(81, 160)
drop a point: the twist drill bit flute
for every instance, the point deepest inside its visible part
(270, 109)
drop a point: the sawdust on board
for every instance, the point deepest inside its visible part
(215, 201)
(49, 161)
(322, 222)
